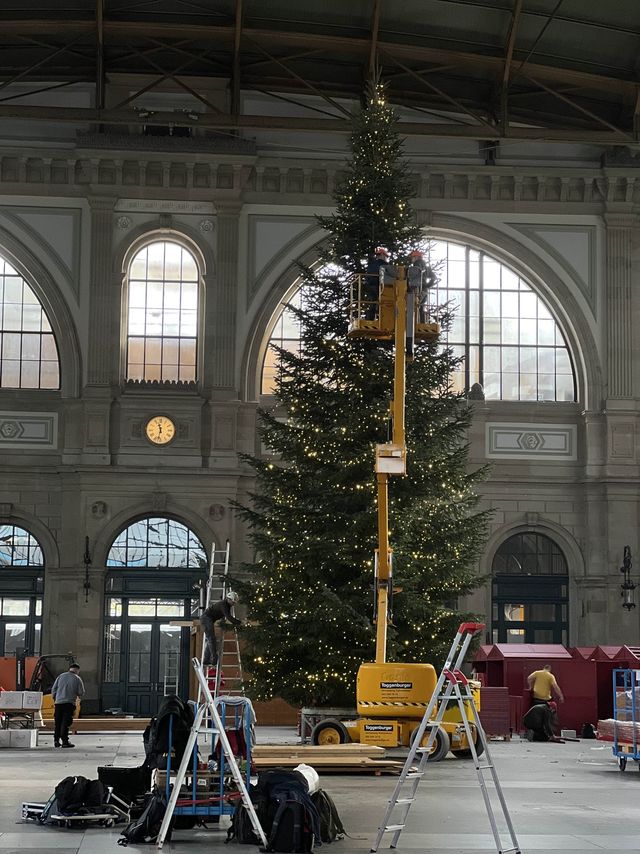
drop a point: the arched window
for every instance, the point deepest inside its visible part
(157, 542)
(28, 347)
(156, 566)
(510, 342)
(286, 335)
(162, 314)
(530, 591)
(21, 584)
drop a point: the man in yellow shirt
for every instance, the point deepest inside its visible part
(543, 686)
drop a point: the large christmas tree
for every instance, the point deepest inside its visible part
(313, 519)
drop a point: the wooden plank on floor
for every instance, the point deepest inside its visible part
(371, 750)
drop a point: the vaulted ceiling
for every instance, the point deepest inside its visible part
(534, 69)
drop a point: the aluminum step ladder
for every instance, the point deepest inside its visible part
(458, 689)
(208, 708)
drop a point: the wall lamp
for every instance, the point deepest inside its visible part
(627, 587)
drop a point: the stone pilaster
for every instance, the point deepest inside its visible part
(101, 339)
(620, 228)
(221, 304)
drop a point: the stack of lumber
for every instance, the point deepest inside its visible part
(328, 758)
(108, 723)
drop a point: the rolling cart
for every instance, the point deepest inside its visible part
(209, 792)
(626, 713)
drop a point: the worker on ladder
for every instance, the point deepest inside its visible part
(217, 612)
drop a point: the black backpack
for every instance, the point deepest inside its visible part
(95, 794)
(70, 794)
(147, 827)
(331, 827)
(588, 731)
(241, 830)
(292, 828)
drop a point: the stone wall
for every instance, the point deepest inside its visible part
(75, 463)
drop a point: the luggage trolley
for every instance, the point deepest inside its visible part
(626, 714)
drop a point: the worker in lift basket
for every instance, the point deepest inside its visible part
(371, 288)
(216, 613)
(419, 279)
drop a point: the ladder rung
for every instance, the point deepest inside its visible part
(391, 828)
(484, 767)
(413, 774)
(405, 800)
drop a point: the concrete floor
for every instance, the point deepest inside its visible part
(562, 798)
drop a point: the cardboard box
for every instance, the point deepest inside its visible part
(5, 738)
(24, 738)
(11, 699)
(32, 699)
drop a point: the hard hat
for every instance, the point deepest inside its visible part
(380, 250)
(232, 597)
(416, 253)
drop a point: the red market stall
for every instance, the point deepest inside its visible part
(509, 665)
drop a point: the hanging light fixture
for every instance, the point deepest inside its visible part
(87, 564)
(627, 587)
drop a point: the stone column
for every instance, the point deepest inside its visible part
(620, 500)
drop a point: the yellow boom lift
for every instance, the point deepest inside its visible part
(392, 697)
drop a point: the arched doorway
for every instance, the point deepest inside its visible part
(154, 566)
(530, 600)
(21, 588)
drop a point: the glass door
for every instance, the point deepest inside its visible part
(145, 657)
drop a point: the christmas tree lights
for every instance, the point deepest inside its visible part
(312, 517)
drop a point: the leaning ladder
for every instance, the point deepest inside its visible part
(199, 726)
(457, 688)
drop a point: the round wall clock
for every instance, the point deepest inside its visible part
(160, 430)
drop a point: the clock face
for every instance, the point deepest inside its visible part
(160, 430)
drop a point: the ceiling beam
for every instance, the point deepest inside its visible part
(375, 27)
(506, 74)
(224, 121)
(118, 31)
(235, 64)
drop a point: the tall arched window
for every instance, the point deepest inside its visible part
(28, 347)
(510, 342)
(21, 585)
(162, 314)
(530, 591)
(155, 565)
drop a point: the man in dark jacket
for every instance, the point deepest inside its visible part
(216, 612)
(67, 688)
